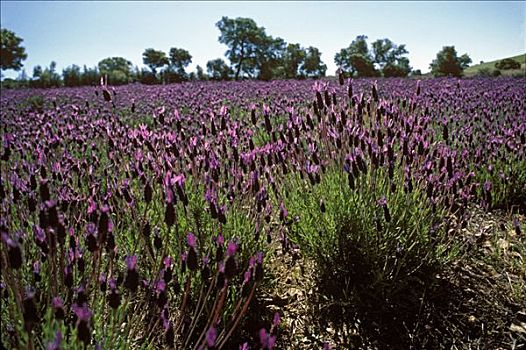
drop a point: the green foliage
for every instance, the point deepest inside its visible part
(269, 57)
(218, 69)
(298, 62)
(179, 59)
(9, 83)
(521, 72)
(72, 76)
(293, 58)
(35, 103)
(11, 53)
(154, 59)
(313, 67)
(399, 69)
(353, 243)
(356, 59)
(484, 72)
(46, 78)
(90, 76)
(243, 38)
(253, 53)
(388, 56)
(447, 63)
(488, 72)
(117, 69)
(200, 73)
(507, 63)
(146, 77)
(21, 81)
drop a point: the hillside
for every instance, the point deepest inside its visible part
(473, 70)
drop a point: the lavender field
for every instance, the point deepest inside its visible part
(293, 214)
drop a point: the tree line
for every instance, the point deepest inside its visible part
(252, 54)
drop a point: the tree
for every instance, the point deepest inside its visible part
(117, 69)
(179, 59)
(46, 78)
(356, 58)
(37, 72)
(507, 63)
(218, 69)
(400, 68)
(147, 77)
(268, 58)
(72, 76)
(11, 53)
(447, 63)
(388, 56)
(200, 73)
(312, 66)
(293, 59)
(465, 61)
(243, 38)
(90, 76)
(154, 59)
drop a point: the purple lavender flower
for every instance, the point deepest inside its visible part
(211, 336)
(132, 276)
(267, 340)
(192, 259)
(58, 308)
(277, 319)
(14, 252)
(55, 344)
(83, 314)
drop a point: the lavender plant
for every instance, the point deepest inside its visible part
(140, 216)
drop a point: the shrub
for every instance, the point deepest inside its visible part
(507, 63)
(484, 72)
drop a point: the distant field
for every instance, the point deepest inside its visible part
(473, 70)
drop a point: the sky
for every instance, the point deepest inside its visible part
(83, 33)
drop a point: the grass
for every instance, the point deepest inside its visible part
(474, 70)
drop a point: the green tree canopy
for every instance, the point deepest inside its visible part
(90, 76)
(356, 58)
(313, 67)
(117, 69)
(11, 52)
(253, 53)
(154, 59)
(200, 73)
(246, 42)
(218, 69)
(507, 63)
(72, 76)
(447, 63)
(268, 58)
(45, 78)
(293, 59)
(178, 60)
(389, 57)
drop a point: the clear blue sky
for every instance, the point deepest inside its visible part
(86, 32)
